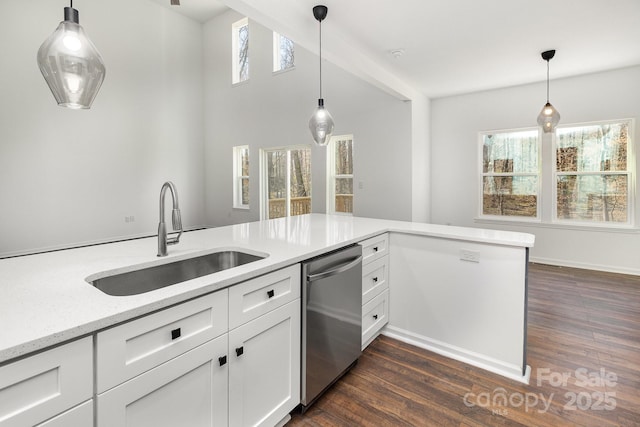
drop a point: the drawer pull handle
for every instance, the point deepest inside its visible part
(375, 317)
(375, 249)
(270, 293)
(375, 280)
(175, 334)
(222, 360)
(239, 351)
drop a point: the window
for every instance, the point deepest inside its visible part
(510, 174)
(592, 176)
(240, 50)
(241, 177)
(286, 184)
(283, 53)
(340, 175)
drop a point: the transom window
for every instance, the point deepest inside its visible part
(283, 53)
(510, 174)
(240, 51)
(286, 183)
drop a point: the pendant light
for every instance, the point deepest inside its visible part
(321, 123)
(71, 64)
(549, 116)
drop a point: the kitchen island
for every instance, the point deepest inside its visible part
(458, 291)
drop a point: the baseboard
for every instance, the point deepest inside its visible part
(585, 265)
(492, 365)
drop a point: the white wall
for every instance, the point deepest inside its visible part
(456, 122)
(72, 176)
(273, 110)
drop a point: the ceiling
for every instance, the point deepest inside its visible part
(453, 46)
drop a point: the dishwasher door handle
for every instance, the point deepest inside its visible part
(337, 270)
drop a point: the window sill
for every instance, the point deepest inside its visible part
(536, 223)
(242, 83)
(286, 70)
(242, 208)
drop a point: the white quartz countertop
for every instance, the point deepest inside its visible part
(45, 299)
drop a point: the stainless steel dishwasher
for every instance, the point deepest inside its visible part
(331, 319)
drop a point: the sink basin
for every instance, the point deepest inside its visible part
(156, 277)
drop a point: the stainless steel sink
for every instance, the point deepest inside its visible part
(156, 277)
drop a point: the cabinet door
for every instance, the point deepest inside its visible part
(264, 373)
(190, 390)
(375, 314)
(41, 386)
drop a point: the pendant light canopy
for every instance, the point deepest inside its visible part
(321, 123)
(71, 64)
(549, 116)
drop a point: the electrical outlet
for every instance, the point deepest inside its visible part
(129, 218)
(468, 255)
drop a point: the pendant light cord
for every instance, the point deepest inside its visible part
(320, 25)
(547, 81)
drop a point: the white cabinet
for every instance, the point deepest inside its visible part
(134, 347)
(184, 366)
(37, 388)
(264, 373)
(80, 416)
(375, 287)
(189, 390)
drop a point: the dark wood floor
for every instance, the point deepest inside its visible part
(583, 324)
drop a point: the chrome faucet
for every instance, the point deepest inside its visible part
(163, 240)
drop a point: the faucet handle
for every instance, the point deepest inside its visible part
(176, 220)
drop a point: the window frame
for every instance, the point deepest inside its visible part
(332, 176)
(235, 66)
(539, 199)
(630, 173)
(277, 54)
(264, 178)
(238, 177)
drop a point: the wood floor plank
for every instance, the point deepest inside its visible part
(582, 324)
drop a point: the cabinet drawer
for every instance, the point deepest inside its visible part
(80, 416)
(374, 248)
(258, 296)
(375, 314)
(38, 387)
(375, 278)
(137, 346)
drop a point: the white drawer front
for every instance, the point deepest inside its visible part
(374, 248)
(258, 296)
(80, 416)
(137, 346)
(38, 387)
(375, 278)
(375, 314)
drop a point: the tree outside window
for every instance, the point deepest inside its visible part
(340, 175)
(241, 176)
(287, 176)
(592, 173)
(240, 50)
(510, 174)
(283, 53)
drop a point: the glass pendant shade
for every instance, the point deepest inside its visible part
(321, 124)
(548, 118)
(70, 64)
